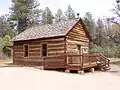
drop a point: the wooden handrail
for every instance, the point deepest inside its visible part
(89, 58)
(104, 57)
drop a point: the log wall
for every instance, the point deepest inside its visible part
(55, 47)
(76, 37)
(34, 52)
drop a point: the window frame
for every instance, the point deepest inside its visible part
(42, 49)
(25, 51)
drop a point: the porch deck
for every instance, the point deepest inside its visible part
(81, 62)
(76, 62)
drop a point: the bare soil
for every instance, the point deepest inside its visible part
(26, 78)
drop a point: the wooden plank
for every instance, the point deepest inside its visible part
(34, 53)
(56, 45)
(56, 49)
(54, 54)
(78, 35)
(56, 39)
(76, 39)
(34, 50)
(82, 43)
(34, 46)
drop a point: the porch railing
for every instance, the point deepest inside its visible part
(81, 60)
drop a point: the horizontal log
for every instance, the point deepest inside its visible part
(34, 50)
(55, 49)
(56, 45)
(18, 50)
(29, 60)
(82, 43)
(78, 30)
(54, 64)
(54, 54)
(48, 40)
(54, 57)
(35, 46)
(78, 34)
(34, 53)
(16, 47)
(76, 39)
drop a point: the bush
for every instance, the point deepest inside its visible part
(109, 51)
(5, 41)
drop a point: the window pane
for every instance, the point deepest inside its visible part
(26, 51)
(44, 49)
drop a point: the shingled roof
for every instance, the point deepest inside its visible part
(46, 31)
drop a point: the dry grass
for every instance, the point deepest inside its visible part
(8, 60)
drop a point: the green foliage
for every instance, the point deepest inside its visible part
(90, 24)
(1, 45)
(59, 16)
(5, 41)
(5, 26)
(109, 51)
(37, 15)
(47, 17)
(100, 36)
(70, 14)
(22, 11)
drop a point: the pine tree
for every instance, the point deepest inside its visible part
(59, 16)
(100, 34)
(116, 20)
(21, 11)
(5, 27)
(37, 16)
(70, 14)
(90, 24)
(47, 17)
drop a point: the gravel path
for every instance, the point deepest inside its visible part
(23, 78)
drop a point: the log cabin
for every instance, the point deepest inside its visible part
(62, 45)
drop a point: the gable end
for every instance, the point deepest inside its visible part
(80, 26)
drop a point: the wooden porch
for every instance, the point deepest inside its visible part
(81, 62)
(77, 62)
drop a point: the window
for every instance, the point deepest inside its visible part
(79, 49)
(26, 50)
(44, 49)
(85, 49)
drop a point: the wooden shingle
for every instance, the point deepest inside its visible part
(45, 31)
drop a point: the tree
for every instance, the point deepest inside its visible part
(59, 16)
(21, 12)
(1, 45)
(100, 33)
(37, 16)
(5, 27)
(70, 14)
(47, 17)
(116, 20)
(7, 42)
(90, 24)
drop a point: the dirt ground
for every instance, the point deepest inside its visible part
(26, 78)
